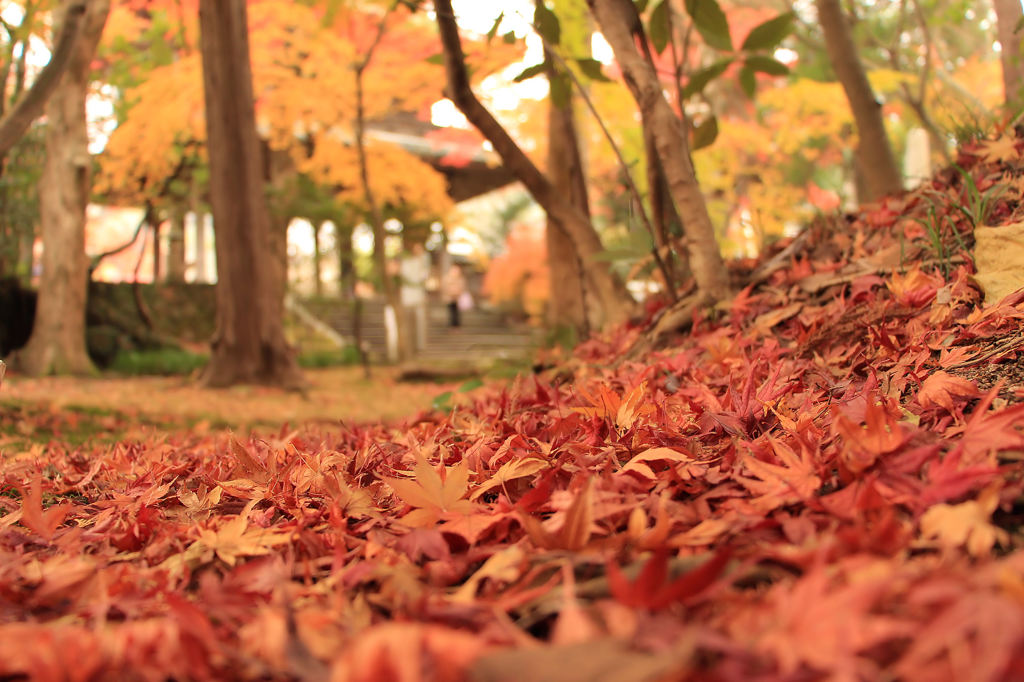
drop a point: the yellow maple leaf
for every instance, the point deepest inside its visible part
(236, 538)
(1003, 148)
(965, 524)
(433, 496)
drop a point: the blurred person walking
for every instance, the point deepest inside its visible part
(455, 294)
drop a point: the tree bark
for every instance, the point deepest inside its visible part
(380, 259)
(248, 345)
(318, 285)
(874, 153)
(75, 15)
(615, 302)
(615, 19)
(346, 262)
(567, 303)
(57, 344)
(1008, 17)
(175, 270)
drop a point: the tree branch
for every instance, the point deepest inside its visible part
(611, 292)
(14, 124)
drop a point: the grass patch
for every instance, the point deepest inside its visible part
(159, 362)
(23, 424)
(175, 362)
(337, 357)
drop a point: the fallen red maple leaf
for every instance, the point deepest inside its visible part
(650, 589)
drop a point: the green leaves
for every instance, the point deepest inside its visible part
(546, 23)
(769, 65)
(531, 71)
(700, 79)
(711, 22)
(659, 26)
(705, 133)
(768, 35)
(591, 68)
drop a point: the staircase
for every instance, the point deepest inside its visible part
(485, 335)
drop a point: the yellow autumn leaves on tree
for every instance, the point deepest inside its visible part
(304, 80)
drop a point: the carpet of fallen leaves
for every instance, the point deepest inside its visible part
(334, 393)
(822, 480)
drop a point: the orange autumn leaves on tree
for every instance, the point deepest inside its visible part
(519, 276)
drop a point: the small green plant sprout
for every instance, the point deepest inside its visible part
(950, 216)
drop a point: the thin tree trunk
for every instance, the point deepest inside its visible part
(391, 292)
(175, 270)
(615, 302)
(199, 233)
(280, 174)
(874, 153)
(157, 252)
(318, 285)
(57, 344)
(346, 266)
(1008, 19)
(249, 344)
(615, 17)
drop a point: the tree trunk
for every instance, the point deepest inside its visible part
(567, 306)
(874, 153)
(615, 302)
(1008, 18)
(158, 255)
(615, 17)
(391, 292)
(249, 344)
(175, 270)
(318, 285)
(346, 262)
(57, 344)
(280, 175)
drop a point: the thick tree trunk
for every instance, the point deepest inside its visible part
(615, 17)
(874, 153)
(615, 302)
(567, 305)
(1008, 18)
(74, 23)
(249, 344)
(175, 270)
(57, 344)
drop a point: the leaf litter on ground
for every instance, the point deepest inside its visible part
(816, 482)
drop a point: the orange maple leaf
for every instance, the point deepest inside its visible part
(879, 435)
(792, 480)
(43, 522)
(576, 524)
(940, 388)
